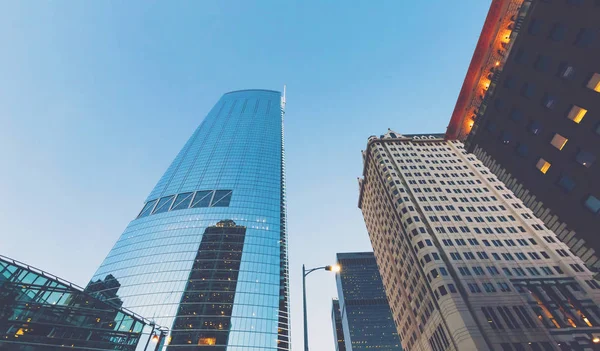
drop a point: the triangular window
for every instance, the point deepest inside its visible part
(222, 198)
(182, 201)
(163, 204)
(147, 209)
(202, 198)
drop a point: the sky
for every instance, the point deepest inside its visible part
(97, 98)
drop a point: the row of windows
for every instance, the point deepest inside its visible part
(198, 199)
(508, 318)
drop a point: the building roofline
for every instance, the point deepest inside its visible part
(478, 62)
(242, 90)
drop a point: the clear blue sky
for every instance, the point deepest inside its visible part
(97, 97)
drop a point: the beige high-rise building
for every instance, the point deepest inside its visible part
(465, 265)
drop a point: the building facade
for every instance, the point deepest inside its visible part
(365, 314)
(338, 329)
(530, 110)
(207, 253)
(465, 264)
(39, 311)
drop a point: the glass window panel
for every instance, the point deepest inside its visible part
(147, 208)
(566, 182)
(585, 158)
(182, 201)
(202, 198)
(222, 198)
(576, 113)
(558, 32)
(543, 165)
(594, 83)
(592, 203)
(522, 150)
(164, 204)
(559, 141)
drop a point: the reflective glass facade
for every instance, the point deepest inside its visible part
(366, 316)
(39, 311)
(338, 328)
(217, 215)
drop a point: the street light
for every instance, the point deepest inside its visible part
(332, 268)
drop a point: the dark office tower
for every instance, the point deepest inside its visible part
(529, 108)
(207, 253)
(366, 317)
(464, 264)
(207, 302)
(338, 329)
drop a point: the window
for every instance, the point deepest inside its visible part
(163, 204)
(147, 208)
(558, 31)
(510, 82)
(543, 165)
(182, 201)
(202, 198)
(535, 127)
(528, 90)
(221, 198)
(566, 70)
(585, 158)
(499, 104)
(516, 115)
(520, 56)
(559, 141)
(592, 203)
(506, 137)
(535, 27)
(542, 63)
(566, 183)
(576, 113)
(549, 101)
(594, 83)
(585, 37)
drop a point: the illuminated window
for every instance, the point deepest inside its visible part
(207, 341)
(558, 141)
(543, 165)
(594, 83)
(576, 114)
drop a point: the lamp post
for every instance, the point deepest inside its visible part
(335, 268)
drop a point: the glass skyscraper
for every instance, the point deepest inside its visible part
(207, 253)
(366, 318)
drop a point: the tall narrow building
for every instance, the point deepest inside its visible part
(529, 109)
(338, 328)
(366, 319)
(465, 265)
(206, 254)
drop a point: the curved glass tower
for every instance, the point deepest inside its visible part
(207, 254)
